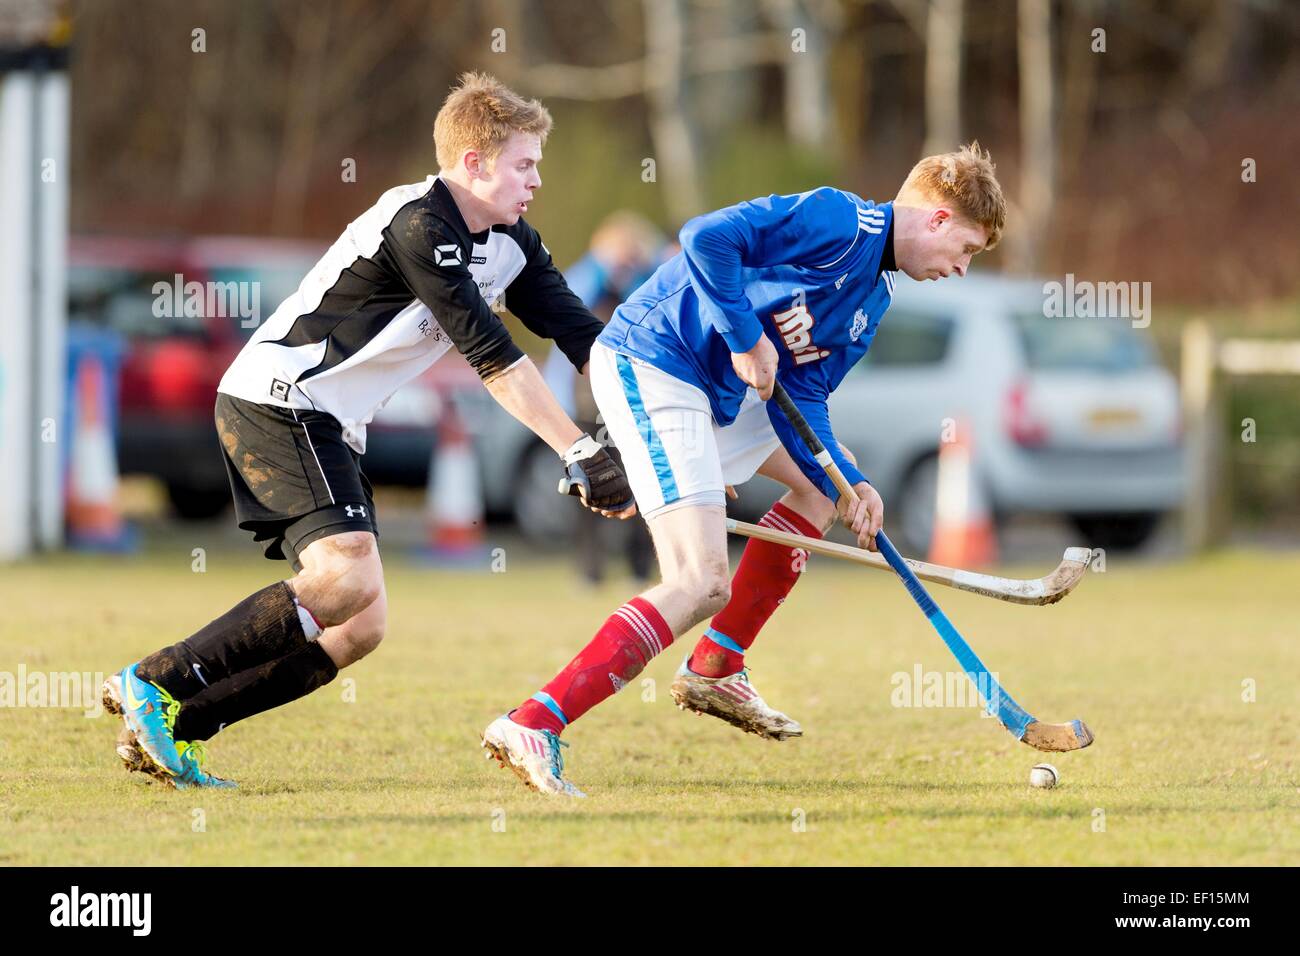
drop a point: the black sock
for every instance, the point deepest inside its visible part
(254, 691)
(261, 628)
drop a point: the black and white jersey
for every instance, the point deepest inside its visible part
(404, 283)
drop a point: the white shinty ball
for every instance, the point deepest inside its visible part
(1044, 776)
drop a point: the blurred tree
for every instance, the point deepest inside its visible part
(940, 24)
(246, 133)
(675, 138)
(1078, 86)
(807, 28)
(1037, 139)
(943, 63)
(677, 50)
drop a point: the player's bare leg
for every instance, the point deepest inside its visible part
(271, 649)
(360, 634)
(692, 546)
(691, 541)
(337, 573)
(714, 679)
(341, 576)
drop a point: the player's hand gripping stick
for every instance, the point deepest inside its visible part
(595, 477)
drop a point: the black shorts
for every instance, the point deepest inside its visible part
(294, 479)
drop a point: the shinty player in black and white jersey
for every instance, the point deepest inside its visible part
(413, 276)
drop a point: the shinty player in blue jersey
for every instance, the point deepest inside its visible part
(783, 287)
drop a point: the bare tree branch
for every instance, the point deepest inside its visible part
(916, 14)
(634, 78)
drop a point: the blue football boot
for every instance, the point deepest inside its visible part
(193, 754)
(150, 713)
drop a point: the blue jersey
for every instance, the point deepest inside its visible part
(804, 270)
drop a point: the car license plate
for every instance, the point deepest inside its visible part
(1106, 419)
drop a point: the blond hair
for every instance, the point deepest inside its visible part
(967, 180)
(481, 113)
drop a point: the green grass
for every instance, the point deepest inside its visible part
(1153, 658)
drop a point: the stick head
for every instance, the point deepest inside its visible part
(1068, 574)
(1056, 738)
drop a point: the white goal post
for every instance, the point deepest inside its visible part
(34, 124)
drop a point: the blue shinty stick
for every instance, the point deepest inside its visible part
(996, 701)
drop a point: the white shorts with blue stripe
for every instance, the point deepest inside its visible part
(674, 453)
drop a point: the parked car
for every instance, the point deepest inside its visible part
(174, 360)
(1070, 416)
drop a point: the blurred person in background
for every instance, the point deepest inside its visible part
(625, 249)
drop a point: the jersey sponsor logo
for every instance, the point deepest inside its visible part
(448, 255)
(795, 326)
(477, 260)
(280, 389)
(427, 329)
(859, 325)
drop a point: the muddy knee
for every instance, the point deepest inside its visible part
(711, 594)
(341, 577)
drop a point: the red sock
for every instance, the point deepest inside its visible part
(622, 647)
(766, 574)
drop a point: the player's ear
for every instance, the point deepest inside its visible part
(472, 160)
(938, 217)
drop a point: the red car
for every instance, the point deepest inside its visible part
(180, 338)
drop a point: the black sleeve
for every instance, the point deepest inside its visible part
(546, 305)
(434, 264)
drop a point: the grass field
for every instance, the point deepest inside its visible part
(1153, 658)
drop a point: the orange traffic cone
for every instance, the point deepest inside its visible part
(454, 501)
(963, 525)
(91, 512)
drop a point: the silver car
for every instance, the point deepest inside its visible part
(1071, 416)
